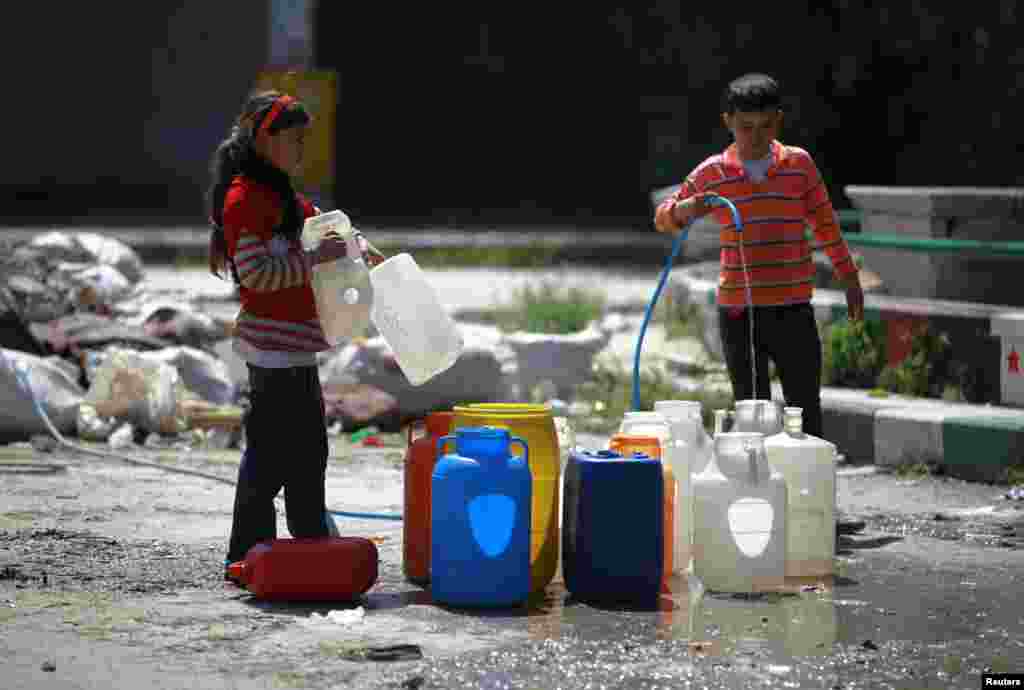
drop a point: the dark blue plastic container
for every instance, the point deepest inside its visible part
(612, 539)
(480, 520)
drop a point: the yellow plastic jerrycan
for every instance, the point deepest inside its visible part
(535, 424)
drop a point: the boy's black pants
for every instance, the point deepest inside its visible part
(286, 447)
(789, 336)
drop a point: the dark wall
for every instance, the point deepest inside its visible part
(118, 106)
(578, 115)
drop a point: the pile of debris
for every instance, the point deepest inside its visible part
(99, 350)
(110, 357)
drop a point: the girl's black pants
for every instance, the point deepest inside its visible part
(286, 447)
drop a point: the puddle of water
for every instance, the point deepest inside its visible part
(799, 620)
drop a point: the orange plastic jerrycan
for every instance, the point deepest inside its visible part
(420, 457)
(536, 425)
(627, 444)
(320, 569)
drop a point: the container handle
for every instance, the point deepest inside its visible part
(752, 459)
(412, 427)
(526, 449)
(443, 440)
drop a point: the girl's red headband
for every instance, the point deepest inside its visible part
(280, 104)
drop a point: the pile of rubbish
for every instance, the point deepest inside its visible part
(102, 352)
(113, 357)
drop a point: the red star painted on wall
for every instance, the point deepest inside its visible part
(1014, 361)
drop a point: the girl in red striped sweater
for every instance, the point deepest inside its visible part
(257, 218)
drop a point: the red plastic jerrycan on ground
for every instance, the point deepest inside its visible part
(420, 458)
(321, 569)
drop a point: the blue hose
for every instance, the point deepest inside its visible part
(367, 516)
(21, 377)
(677, 244)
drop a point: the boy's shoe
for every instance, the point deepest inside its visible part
(849, 526)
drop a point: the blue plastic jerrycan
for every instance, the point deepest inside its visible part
(480, 520)
(612, 522)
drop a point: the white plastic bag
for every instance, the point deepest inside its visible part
(55, 389)
(136, 389)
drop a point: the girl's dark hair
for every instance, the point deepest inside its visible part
(751, 93)
(237, 155)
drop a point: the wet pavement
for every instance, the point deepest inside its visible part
(110, 577)
(106, 561)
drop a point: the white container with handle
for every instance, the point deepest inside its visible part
(424, 338)
(341, 284)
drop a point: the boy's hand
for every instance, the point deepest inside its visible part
(854, 297)
(683, 212)
(694, 207)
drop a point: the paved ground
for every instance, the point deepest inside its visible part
(110, 576)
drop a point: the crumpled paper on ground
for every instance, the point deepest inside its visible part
(343, 617)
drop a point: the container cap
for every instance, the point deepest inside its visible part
(504, 409)
(482, 432)
(439, 423)
(667, 407)
(612, 455)
(600, 454)
(628, 444)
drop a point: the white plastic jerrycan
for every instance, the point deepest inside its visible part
(764, 416)
(407, 312)
(689, 451)
(739, 518)
(808, 464)
(645, 423)
(341, 285)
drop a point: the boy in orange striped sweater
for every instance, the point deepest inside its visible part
(778, 191)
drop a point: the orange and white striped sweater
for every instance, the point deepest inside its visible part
(775, 213)
(277, 324)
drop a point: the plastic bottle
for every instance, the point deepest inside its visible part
(480, 520)
(808, 464)
(689, 451)
(612, 541)
(534, 424)
(739, 518)
(763, 416)
(420, 459)
(407, 312)
(341, 284)
(628, 445)
(321, 569)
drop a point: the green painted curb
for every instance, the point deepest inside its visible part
(982, 447)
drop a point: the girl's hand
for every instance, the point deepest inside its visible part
(371, 255)
(332, 246)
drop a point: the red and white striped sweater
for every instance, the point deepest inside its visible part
(775, 213)
(278, 313)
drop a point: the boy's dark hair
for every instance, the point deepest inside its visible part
(751, 93)
(237, 155)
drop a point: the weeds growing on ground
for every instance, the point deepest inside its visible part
(680, 319)
(548, 308)
(1015, 474)
(611, 385)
